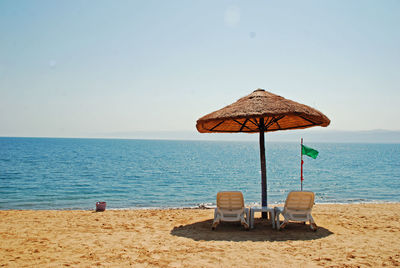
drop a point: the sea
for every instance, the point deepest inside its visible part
(64, 174)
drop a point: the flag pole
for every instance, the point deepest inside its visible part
(302, 162)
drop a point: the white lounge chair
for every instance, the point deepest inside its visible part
(230, 208)
(297, 208)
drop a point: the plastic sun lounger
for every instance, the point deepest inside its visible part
(230, 208)
(297, 208)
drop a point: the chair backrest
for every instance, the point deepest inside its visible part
(299, 200)
(230, 200)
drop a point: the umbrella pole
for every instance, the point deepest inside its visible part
(302, 162)
(263, 169)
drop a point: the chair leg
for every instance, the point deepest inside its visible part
(283, 225)
(245, 220)
(248, 217)
(313, 225)
(280, 226)
(216, 220)
(214, 225)
(246, 226)
(277, 222)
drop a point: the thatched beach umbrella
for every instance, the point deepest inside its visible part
(260, 112)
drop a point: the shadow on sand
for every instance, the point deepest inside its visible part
(262, 232)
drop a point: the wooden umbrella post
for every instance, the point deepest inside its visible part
(263, 169)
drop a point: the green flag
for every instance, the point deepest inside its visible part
(309, 151)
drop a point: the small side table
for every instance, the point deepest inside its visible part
(271, 214)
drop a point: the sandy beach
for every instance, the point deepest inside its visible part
(353, 235)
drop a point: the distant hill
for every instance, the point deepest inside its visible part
(310, 135)
(325, 135)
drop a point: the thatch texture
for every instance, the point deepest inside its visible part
(277, 112)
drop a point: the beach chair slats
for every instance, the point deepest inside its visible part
(230, 200)
(299, 201)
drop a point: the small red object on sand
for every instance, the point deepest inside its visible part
(100, 206)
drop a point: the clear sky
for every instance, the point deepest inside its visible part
(88, 68)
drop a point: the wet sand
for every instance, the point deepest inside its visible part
(351, 235)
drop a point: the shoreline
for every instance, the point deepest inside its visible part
(195, 207)
(349, 235)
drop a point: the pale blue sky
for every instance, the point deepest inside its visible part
(88, 68)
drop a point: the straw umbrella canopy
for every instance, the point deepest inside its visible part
(261, 112)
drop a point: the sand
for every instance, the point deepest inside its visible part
(358, 235)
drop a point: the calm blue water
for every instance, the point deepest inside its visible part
(39, 173)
